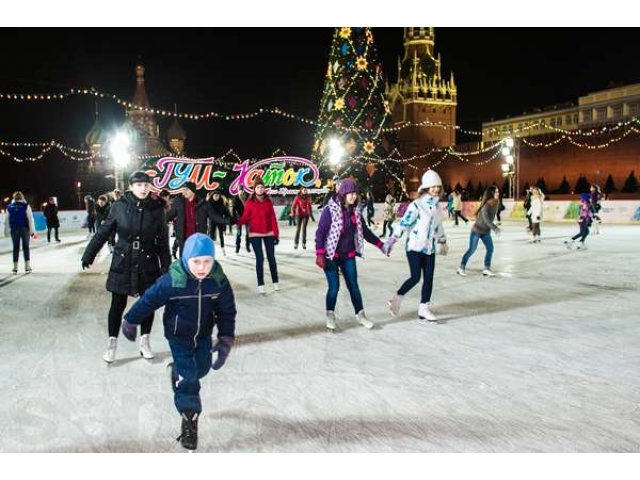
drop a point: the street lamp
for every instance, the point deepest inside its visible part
(120, 148)
(509, 167)
(336, 151)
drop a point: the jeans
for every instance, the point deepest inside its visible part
(473, 244)
(458, 214)
(350, 273)
(584, 232)
(256, 243)
(55, 230)
(420, 264)
(190, 365)
(118, 304)
(302, 223)
(17, 235)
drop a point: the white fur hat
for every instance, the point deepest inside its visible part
(430, 179)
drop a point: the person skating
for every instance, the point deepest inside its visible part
(219, 208)
(423, 222)
(197, 296)
(20, 226)
(585, 218)
(457, 207)
(371, 210)
(53, 222)
(191, 214)
(481, 230)
(263, 228)
(527, 205)
(102, 212)
(339, 240)
(236, 213)
(301, 210)
(140, 255)
(535, 213)
(90, 207)
(594, 204)
(388, 215)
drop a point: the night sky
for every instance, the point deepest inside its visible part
(499, 71)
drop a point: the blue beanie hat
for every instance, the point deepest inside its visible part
(197, 245)
(347, 186)
(585, 197)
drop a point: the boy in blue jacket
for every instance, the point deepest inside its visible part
(196, 295)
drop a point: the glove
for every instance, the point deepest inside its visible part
(538, 218)
(223, 347)
(388, 245)
(321, 261)
(276, 241)
(129, 330)
(85, 265)
(443, 249)
(497, 231)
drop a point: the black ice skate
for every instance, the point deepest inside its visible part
(189, 436)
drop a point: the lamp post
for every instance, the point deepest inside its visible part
(78, 185)
(510, 166)
(120, 148)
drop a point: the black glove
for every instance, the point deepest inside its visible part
(276, 241)
(85, 264)
(223, 347)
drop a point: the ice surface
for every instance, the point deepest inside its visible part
(543, 358)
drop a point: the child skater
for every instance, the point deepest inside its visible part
(423, 220)
(340, 238)
(585, 217)
(196, 295)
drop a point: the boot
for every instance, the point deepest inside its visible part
(110, 354)
(394, 304)
(145, 348)
(331, 320)
(361, 317)
(424, 313)
(15, 268)
(27, 266)
(189, 436)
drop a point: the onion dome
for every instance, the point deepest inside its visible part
(96, 137)
(176, 132)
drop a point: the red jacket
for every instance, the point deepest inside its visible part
(301, 207)
(260, 216)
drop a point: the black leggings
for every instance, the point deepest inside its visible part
(420, 265)
(256, 243)
(220, 228)
(458, 214)
(55, 229)
(118, 304)
(384, 227)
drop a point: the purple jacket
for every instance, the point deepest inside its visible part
(341, 232)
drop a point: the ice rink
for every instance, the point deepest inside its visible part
(545, 357)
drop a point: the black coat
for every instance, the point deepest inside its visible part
(141, 253)
(51, 214)
(220, 208)
(102, 212)
(204, 212)
(238, 208)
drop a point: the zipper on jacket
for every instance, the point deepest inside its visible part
(175, 327)
(195, 341)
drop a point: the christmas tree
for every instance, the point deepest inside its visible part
(349, 139)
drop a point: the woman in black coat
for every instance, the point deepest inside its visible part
(219, 208)
(51, 214)
(141, 254)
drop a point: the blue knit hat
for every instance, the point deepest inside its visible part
(585, 197)
(197, 245)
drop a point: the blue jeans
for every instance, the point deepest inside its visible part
(190, 364)
(420, 264)
(256, 243)
(350, 273)
(17, 235)
(473, 244)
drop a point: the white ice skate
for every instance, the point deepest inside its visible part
(461, 272)
(361, 317)
(145, 348)
(394, 304)
(424, 313)
(224, 253)
(14, 270)
(261, 290)
(569, 244)
(110, 354)
(276, 287)
(488, 273)
(581, 246)
(27, 267)
(331, 320)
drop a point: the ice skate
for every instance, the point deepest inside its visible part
(461, 272)
(331, 321)
(304, 246)
(488, 273)
(581, 246)
(295, 247)
(261, 290)
(189, 436)
(145, 348)
(14, 270)
(276, 287)
(110, 354)
(569, 244)
(224, 253)
(27, 266)
(363, 320)
(394, 304)
(424, 313)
